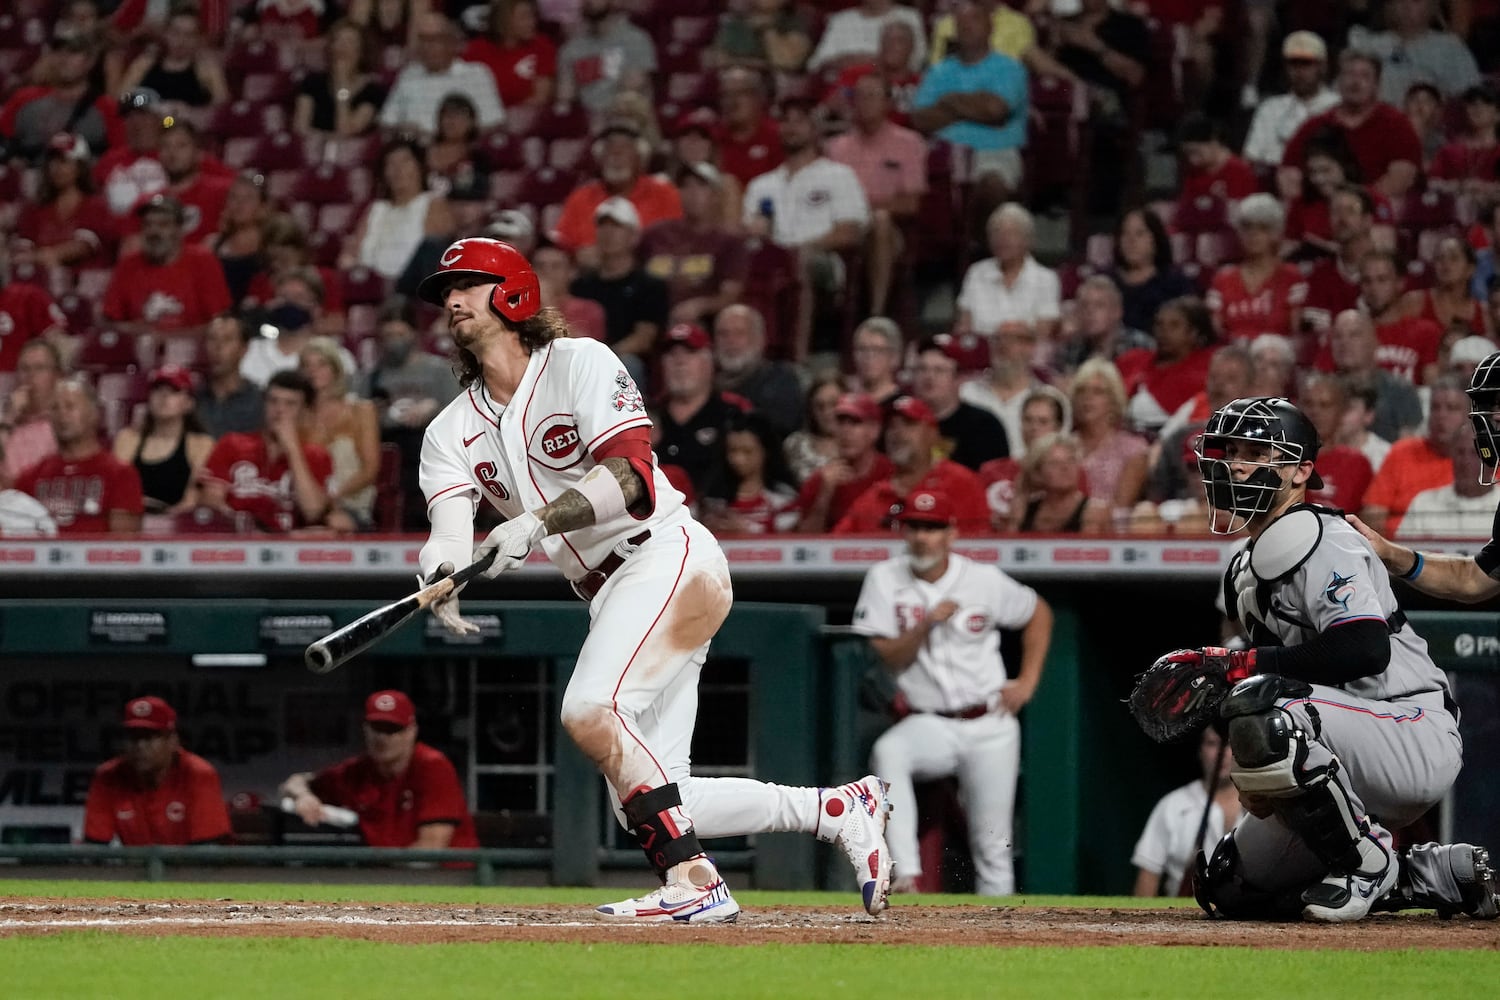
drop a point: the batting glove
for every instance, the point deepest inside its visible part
(446, 610)
(512, 543)
(1234, 665)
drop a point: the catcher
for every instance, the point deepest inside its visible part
(1336, 714)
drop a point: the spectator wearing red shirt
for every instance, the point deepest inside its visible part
(521, 58)
(155, 792)
(199, 186)
(166, 287)
(26, 313)
(85, 488)
(1345, 471)
(1415, 464)
(892, 66)
(129, 171)
(749, 139)
(1471, 165)
(1159, 382)
(1381, 138)
(1213, 170)
(891, 164)
(911, 438)
(1408, 344)
(406, 793)
(1044, 411)
(832, 488)
(33, 115)
(272, 475)
(621, 153)
(1450, 302)
(26, 418)
(1327, 166)
(1262, 293)
(68, 225)
(705, 268)
(1333, 282)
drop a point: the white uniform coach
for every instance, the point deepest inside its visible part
(552, 432)
(932, 617)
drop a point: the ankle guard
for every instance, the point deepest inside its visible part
(649, 816)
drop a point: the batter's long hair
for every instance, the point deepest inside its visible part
(536, 332)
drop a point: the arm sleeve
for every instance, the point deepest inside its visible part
(440, 799)
(1015, 603)
(452, 535)
(1488, 558)
(98, 813)
(1361, 648)
(875, 612)
(209, 819)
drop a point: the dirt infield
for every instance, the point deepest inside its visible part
(998, 926)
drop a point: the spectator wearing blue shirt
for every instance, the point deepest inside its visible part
(1484, 265)
(977, 98)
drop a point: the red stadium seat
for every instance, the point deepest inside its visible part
(245, 119)
(280, 151)
(390, 498)
(325, 247)
(674, 57)
(773, 287)
(546, 186)
(1204, 214)
(266, 88)
(80, 312)
(693, 32)
(568, 154)
(186, 352)
(503, 152)
(362, 285)
(119, 394)
(505, 186)
(108, 351)
(207, 521)
(338, 217)
(360, 322)
(1428, 210)
(256, 56)
(1418, 274)
(324, 183)
(1100, 251)
(565, 121)
(693, 88)
(91, 282)
(1213, 249)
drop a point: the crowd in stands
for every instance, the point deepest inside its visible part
(1015, 251)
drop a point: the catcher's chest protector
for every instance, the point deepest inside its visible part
(1254, 573)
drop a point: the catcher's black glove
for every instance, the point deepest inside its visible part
(1180, 693)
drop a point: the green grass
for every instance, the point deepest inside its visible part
(91, 964)
(498, 895)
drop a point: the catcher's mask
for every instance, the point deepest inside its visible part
(1261, 420)
(1484, 400)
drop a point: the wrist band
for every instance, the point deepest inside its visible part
(1416, 569)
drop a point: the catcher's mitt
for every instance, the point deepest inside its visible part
(1180, 693)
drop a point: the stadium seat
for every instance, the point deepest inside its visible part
(91, 282)
(280, 151)
(503, 152)
(545, 187)
(352, 151)
(323, 184)
(1428, 210)
(207, 521)
(390, 498)
(1418, 274)
(1100, 251)
(79, 310)
(773, 287)
(1161, 94)
(360, 322)
(559, 121)
(674, 57)
(505, 185)
(1204, 214)
(692, 88)
(110, 351)
(267, 88)
(245, 119)
(362, 285)
(119, 392)
(568, 154)
(1213, 249)
(325, 247)
(186, 352)
(256, 56)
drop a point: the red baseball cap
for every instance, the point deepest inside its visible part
(927, 507)
(689, 335)
(697, 120)
(860, 406)
(969, 352)
(150, 712)
(913, 409)
(176, 376)
(390, 706)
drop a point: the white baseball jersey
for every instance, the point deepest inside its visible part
(959, 664)
(1166, 843)
(574, 397)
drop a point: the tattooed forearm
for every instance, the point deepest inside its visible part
(572, 510)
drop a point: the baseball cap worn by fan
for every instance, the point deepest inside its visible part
(511, 225)
(150, 712)
(689, 335)
(1304, 46)
(69, 147)
(618, 210)
(701, 120)
(175, 376)
(913, 409)
(858, 405)
(161, 203)
(927, 507)
(390, 706)
(1470, 350)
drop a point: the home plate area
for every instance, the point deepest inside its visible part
(972, 925)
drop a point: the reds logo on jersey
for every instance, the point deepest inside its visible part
(555, 442)
(626, 396)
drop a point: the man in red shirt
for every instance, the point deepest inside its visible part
(129, 171)
(198, 185)
(621, 153)
(911, 437)
(892, 66)
(1408, 344)
(1381, 138)
(168, 287)
(405, 792)
(26, 312)
(1333, 282)
(272, 475)
(155, 792)
(1345, 471)
(1213, 170)
(749, 140)
(85, 488)
(831, 490)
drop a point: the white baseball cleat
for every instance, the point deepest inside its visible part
(681, 900)
(1340, 899)
(853, 816)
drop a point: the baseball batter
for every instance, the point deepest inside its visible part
(1339, 715)
(552, 432)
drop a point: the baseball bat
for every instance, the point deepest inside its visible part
(338, 647)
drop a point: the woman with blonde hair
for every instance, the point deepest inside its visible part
(1058, 504)
(1114, 459)
(347, 427)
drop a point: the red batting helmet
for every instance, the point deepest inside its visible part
(517, 295)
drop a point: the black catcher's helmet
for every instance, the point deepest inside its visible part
(1266, 420)
(1484, 400)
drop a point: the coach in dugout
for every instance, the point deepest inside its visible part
(406, 793)
(155, 792)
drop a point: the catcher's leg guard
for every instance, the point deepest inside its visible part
(1277, 760)
(649, 815)
(1222, 890)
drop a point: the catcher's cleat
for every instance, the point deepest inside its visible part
(1476, 883)
(1345, 898)
(694, 894)
(853, 816)
(1448, 878)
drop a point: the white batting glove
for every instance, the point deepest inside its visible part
(446, 610)
(513, 541)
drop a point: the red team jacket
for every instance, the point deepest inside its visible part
(187, 808)
(390, 810)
